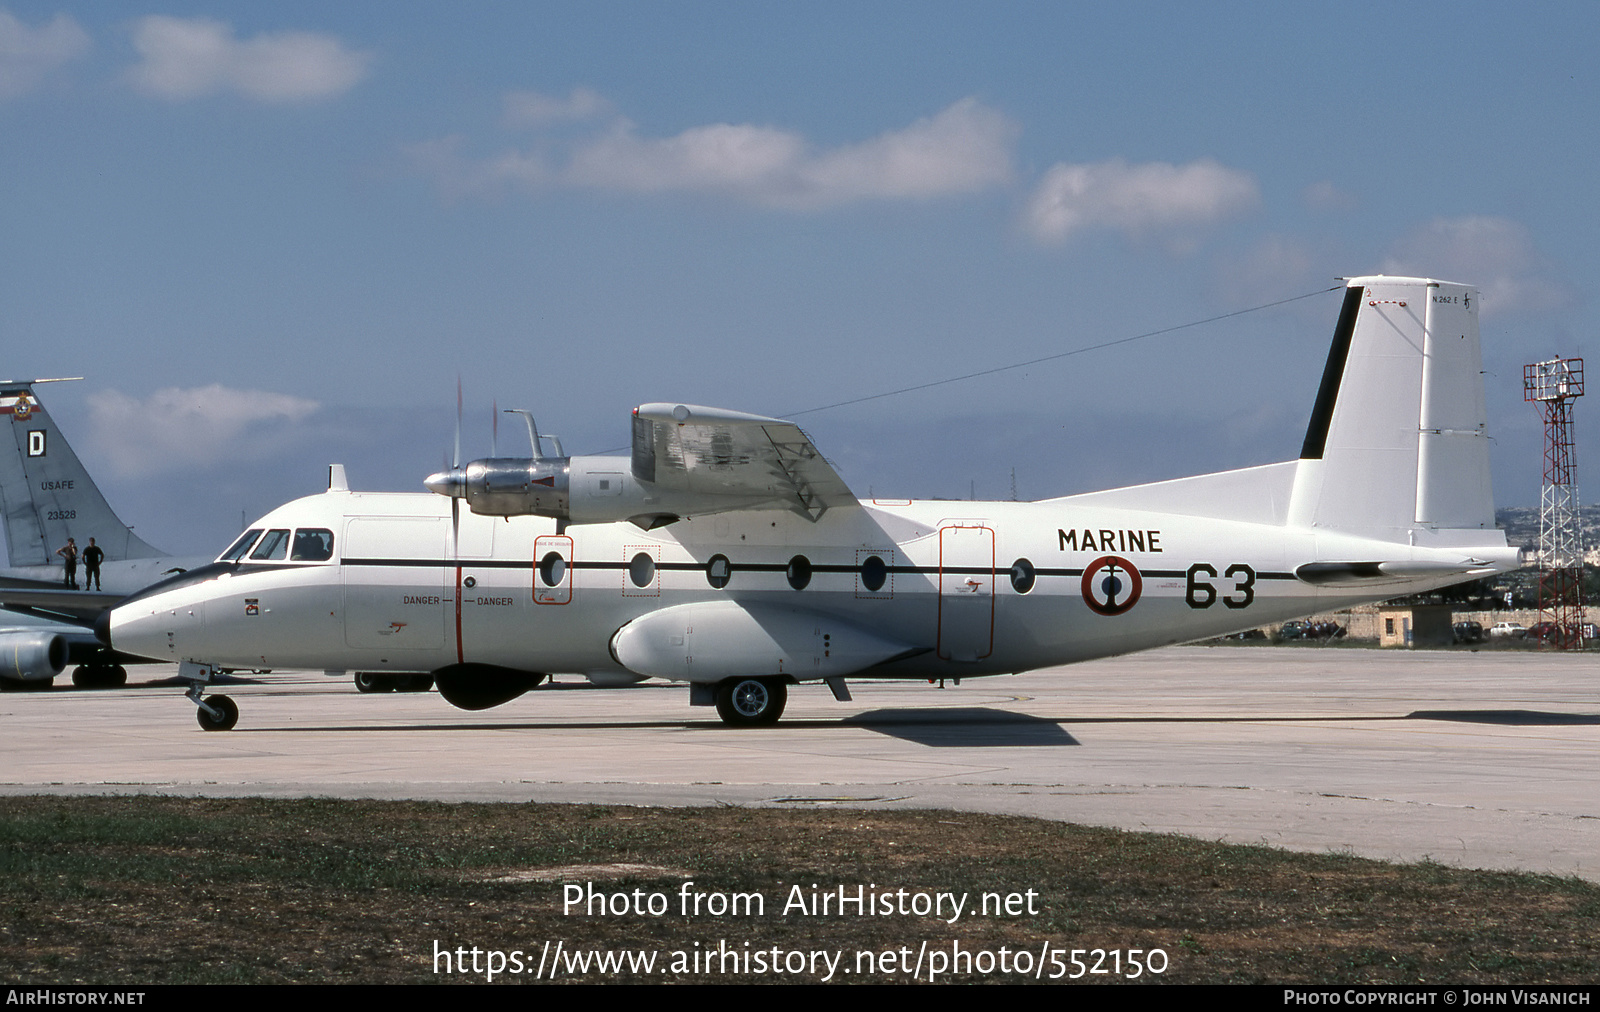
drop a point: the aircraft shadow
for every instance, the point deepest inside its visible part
(1508, 718)
(964, 727)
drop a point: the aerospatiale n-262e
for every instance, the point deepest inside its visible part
(726, 552)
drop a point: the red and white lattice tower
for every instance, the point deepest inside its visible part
(1555, 385)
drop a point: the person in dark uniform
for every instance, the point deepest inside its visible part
(70, 555)
(92, 557)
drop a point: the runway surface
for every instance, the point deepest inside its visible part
(1482, 760)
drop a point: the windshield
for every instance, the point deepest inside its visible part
(274, 546)
(236, 551)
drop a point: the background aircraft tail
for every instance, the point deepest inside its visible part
(45, 493)
(1398, 445)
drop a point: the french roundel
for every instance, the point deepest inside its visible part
(1111, 585)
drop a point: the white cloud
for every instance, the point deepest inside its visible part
(1136, 199)
(1495, 254)
(1273, 266)
(175, 428)
(523, 109)
(1324, 196)
(964, 149)
(183, 58)
(28, 54)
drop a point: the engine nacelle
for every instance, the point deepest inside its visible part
(32, 656)
(578, 490)
(708, 641)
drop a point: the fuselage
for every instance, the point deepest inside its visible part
(927, 589)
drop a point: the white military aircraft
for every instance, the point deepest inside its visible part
(728, 554)
(48, 497)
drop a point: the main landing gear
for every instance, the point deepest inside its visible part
(379, 681)
(751, 702)
(219, 713)
(99, 676)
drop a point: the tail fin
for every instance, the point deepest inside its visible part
(45, 493)
(1398, 446)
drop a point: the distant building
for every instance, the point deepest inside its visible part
(1415, 625)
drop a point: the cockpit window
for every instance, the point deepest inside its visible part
(312, 544)
(275, 545)
(236, 551)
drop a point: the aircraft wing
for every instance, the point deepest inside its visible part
(79, 607)
(734, 461)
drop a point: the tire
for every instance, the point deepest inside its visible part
(229, 711)
(369, 681)
(751, 702)
(416, 683)
(99, 676)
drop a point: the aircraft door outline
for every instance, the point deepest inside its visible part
(552, 569)
(966, 591)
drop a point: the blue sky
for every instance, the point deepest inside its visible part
(273, 236)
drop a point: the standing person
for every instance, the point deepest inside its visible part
(70, 554)
(92, 557)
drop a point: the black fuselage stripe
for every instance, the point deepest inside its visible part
(758, 567)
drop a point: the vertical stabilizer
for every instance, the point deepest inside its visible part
(1398, 443)
(46, 494)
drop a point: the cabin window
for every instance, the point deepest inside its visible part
(552, 569)
(642, 570)
(719, 571)
(874, 573)
(312, 544)
(1022, 576)
(236, 551)
(799, 572)
(274, 546)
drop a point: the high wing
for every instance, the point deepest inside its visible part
(687, 461)
(733, 460)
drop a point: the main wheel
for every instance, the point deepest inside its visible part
(224, 706)
(751, 702)
(99, 676)
(369, 681)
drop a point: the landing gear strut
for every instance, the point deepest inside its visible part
(219, 713)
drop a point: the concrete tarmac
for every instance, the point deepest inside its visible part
(1480, 760)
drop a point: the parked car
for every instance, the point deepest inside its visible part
(1558, 635)
(1516, 629)
(1311, 631)
(1469, 632)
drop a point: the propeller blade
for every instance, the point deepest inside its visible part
(457, 461)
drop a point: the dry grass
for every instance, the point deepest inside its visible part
(149, 890)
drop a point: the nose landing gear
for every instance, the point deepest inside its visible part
(219, 713)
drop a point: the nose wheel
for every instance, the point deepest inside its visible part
(219, 713)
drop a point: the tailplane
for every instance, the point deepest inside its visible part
(46, 494)
(1398, 445)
